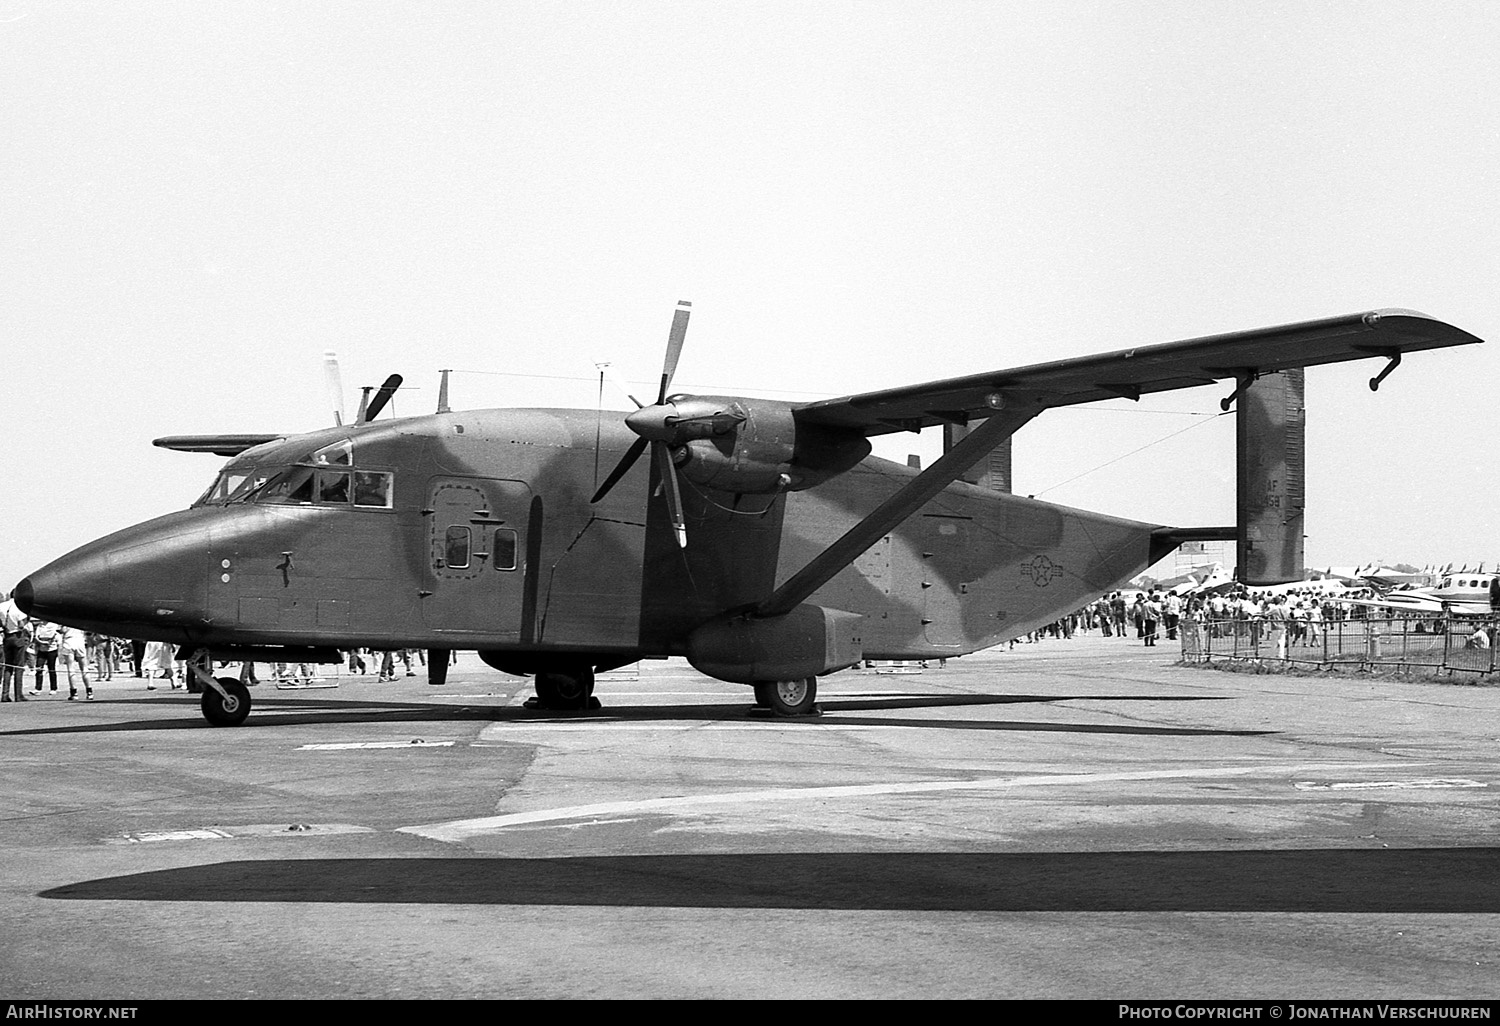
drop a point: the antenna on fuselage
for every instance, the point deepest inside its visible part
(443, 391)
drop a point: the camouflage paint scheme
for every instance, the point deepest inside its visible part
(970, 569)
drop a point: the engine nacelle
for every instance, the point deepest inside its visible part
(764, 450)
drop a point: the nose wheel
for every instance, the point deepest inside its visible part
(788, 697)
(226, 702)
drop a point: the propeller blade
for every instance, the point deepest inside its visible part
(382, 397)
(608, 370)
(673, 493)
(622, 468)
(335, 385)
(674, 347)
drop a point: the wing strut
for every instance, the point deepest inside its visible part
(880, 522)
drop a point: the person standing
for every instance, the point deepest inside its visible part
(1101, 615)
(16, 629)
(102, 649)
(73, 646)
(1171, 614)
(1150, 617)
(1278, 621)
(159, 660)
(45, 638)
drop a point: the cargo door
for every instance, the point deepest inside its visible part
(476, 558)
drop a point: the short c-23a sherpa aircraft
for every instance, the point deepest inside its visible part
(760, 539)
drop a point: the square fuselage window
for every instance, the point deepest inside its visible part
(456, 548)
(505, 549)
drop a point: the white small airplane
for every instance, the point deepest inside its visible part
(1326, 586)
(1462, 594)
(1385, 578)
(1208, 575)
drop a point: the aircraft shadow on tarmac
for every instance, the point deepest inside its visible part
(272, 712)
(1431, 880)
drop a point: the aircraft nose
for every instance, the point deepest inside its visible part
(64, 586)
(148, 576)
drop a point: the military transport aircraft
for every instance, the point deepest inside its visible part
(760, 539)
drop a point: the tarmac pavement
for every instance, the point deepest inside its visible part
(1066, 819)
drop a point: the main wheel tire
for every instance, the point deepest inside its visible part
(565, 689)
(788, 697)
(228, 711)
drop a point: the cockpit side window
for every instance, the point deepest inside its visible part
(295, 484)
(331, 486)
(327, 477)
(232, 486)
(372, 488)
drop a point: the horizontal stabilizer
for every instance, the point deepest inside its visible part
(1166, 540)
(219, 445)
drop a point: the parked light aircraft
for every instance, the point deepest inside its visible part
(1463, 594)
(759, 539)
(1199, 578)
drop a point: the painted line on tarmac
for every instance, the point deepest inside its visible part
(461, 829)
(609, 726)
(247, 830)
(1374, 785)
(612, 693)
(342, 746)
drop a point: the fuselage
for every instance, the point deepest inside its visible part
(474, 530)
(1468, 594)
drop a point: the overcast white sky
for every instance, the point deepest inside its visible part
(197, 200)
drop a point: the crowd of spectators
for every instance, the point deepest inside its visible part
(34, 649)
(1296, 616)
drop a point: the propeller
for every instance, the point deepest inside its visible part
(382, 396)
(663, 425)
(335, 385)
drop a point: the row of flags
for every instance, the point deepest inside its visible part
(1362, 570)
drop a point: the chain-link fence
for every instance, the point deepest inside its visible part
(1432, 644)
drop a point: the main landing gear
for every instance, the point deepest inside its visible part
(788, 697)
(565, 688)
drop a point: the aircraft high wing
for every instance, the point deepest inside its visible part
(1132, 373)
(1007, 399)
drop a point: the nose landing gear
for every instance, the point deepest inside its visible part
(226, 702)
